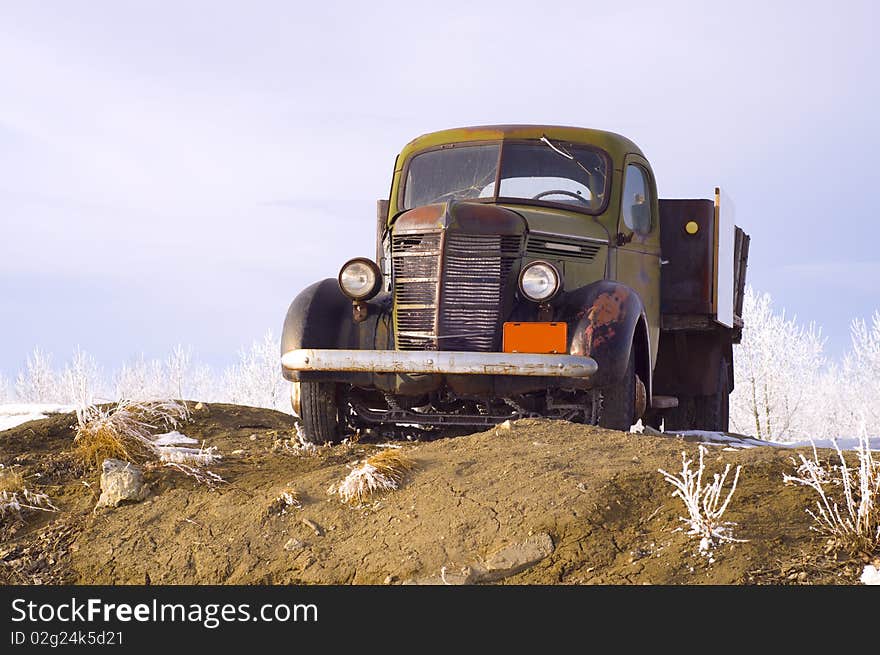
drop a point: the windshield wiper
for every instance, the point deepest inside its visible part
(564, 153)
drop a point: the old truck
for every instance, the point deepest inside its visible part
(521, 271)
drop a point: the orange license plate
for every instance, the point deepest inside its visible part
(535, 337)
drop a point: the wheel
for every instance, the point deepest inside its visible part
(624, 402)
(712, 412)
(319, 404)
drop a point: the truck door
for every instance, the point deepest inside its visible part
(638, 242)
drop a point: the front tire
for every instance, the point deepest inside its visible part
(319, 402)
(623, 403)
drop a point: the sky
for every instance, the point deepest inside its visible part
(176, 172)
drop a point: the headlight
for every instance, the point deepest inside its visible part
(360, 279)
(539, 281)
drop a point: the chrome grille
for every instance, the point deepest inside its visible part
(475, 270)
(415, 261)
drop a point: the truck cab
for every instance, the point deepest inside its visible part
(519, 271)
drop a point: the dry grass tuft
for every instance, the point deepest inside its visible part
(123, 431)
(11, 480)
(16, 500)
(384, 471)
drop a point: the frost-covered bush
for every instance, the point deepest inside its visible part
(36, 383)
(178, 376)
(703, 501)
(256, 379)
(848, 504)
(81, 380)
(860, 372)
(780, 369)
(141, 380)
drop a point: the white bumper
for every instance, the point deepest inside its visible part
(442, 362)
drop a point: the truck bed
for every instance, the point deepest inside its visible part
(689, 277)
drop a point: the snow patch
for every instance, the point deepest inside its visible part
(871, 575)
(710, 438)
(173, 438)
(12, 414)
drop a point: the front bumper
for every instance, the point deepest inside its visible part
(439, 362)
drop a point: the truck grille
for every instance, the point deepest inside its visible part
(468, 312)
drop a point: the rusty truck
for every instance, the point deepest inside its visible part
(524, 271)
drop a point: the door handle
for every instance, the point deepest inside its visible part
(623, 239)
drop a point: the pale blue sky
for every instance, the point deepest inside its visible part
(175, 172)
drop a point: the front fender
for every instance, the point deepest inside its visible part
(603, 318)
(321, 317)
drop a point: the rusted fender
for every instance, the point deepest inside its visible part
(605, 319)
(439, 362)
(321, 317)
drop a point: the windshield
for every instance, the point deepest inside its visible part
(451, 174)
(536, 171)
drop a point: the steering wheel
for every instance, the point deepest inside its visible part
(554, 192)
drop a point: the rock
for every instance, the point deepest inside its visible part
(802, 576)
(121, 481)
(515, 558)
(389, 579)
(201, 407)
(253, 437)
(294, 544)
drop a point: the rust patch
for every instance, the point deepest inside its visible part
(420, 219)
(604, 315)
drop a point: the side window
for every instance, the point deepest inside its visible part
(636, 204)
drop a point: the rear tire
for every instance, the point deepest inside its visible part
(319, 402)
(712, 412)
(679, 418)
(619, 401)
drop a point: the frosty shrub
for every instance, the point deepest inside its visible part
(256, 379)
(141, 380)
(36, 383)
(5, 390)
(178, 376)
(177, 370)
(703, 502)
(848, 504)
(861, 372)
(779, 373)
(80, 380)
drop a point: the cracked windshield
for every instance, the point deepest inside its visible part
(544, 172)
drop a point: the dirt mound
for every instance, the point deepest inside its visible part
(543, 502)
